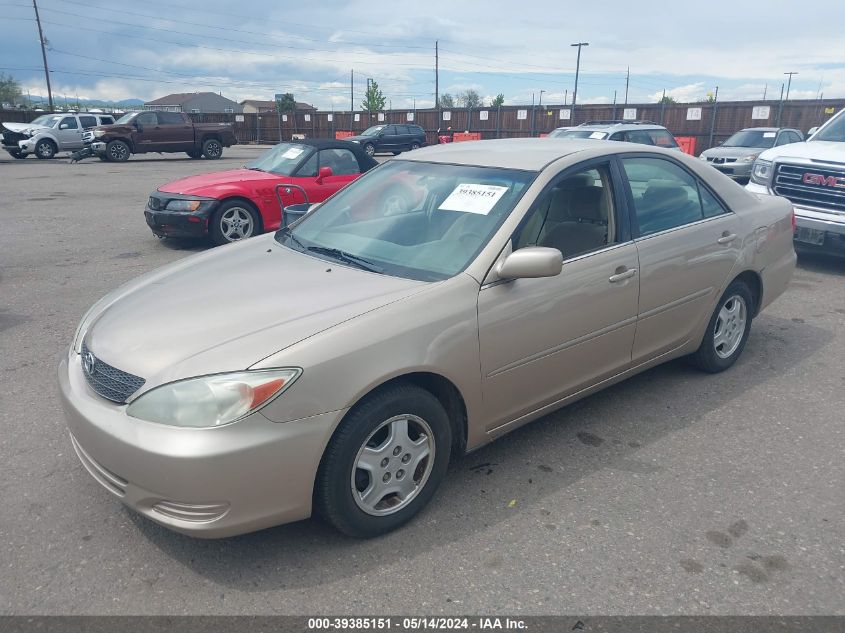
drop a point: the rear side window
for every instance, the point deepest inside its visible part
(665, 195)
(170, 118)
(639, 136)
(88, 121)
(662, 138)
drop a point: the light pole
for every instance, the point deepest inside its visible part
(789, 83)
(577, 70)
(541, 99)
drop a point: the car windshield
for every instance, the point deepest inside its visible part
(752, 138)
(581, 134)
(833, 132)
(126, 118)
(409, 219)
(47, 120)
(558, 133)
(283, 159)
(372, 131)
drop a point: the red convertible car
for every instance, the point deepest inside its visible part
(233, 205)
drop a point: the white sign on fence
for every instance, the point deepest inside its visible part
(761, 112)
(357, 116)
(693, 114)
(522, 114)
(239, 118)
(565, 114)
(331, 118)
(381, 116)
(482, 115)
(307, 117)
(409, 116)
(447, 116)
(284, 117)
(629, 114)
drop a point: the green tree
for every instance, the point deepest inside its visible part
(446, 101)
(499, 100)
(667, 100)
(10, 89)
(287, 105)
(469, 98)
(374, 98)
(711, 98)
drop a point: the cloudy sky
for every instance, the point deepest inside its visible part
(113, 49)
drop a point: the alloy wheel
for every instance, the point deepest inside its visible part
(730, 326)
(236, 224)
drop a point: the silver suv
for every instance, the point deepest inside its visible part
(50, 134)
(642, 132)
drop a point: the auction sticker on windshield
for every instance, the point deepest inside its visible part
(471, 198)
(293, 152)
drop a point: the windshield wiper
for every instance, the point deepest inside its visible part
(345, 257)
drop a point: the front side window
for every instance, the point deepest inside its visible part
(341, 161)
(575, 215)
(283, 159)
(665, 195)
(662, 138)
(411, 219)
(147, 118)
(69, 123)
(170, 118)
(640, 137)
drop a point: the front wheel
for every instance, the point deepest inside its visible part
(370, 149)
(212, 149)
(385, 462)
(117, 151)
(727, 331)
(46, 149)
(232, 222)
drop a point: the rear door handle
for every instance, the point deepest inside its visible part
(727, 238)
(622, 276)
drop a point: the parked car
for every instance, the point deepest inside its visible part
(162, 132)
(642, 132)
(735, 156)
(811, 175)
(337, 366)
(390, 138)
(236, 204)
(50, 134)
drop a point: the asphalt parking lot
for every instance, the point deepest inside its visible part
(672, 493)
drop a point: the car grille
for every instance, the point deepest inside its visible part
(12, 138)
(719, 160)
(110, 382)
(789, 183)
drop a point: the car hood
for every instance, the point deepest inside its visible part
(731, 152)
(359, 138)
(831, 151)
(121, 130)
(25, 128)
(227, 309)
(204, 184)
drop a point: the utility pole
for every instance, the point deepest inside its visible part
(43, 54)
(614, 106)
(437, 79)
(351, 94)
(541, 99)
(627, 80)
(662, 106)
(780, 107)
(788, 85)
(577, 70)
(713, 118)
(765, 88)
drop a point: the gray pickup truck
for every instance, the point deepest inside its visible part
(50, 134)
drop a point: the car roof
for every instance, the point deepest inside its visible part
(765, 129)
(366, 162)
(530, 154)
(619, 127)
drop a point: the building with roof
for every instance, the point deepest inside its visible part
(197, 102)
(254, 105)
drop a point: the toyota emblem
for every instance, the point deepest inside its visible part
(88, 362)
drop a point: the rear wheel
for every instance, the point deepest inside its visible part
(212, 149)
(232, 222)
(117, 151)
(385, 462)
(727, 331)
(46, 149)
(415, 145)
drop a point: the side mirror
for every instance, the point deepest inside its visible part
(325, 172)
(531, 262)
(64, 126)
(812, 131)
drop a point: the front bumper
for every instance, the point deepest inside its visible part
(174, 224)
(98, 147)
(736, 170)
(208, 483)
(817, 230)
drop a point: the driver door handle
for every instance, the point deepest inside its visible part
(622, 275)
(727, 238)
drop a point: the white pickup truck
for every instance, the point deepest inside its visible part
(812, 176)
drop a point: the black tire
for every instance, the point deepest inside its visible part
(212, 149)
(17, 154)
(333, 490)
(415, 145)
(194, 153)
(229, 213)
(370, 149)
(118, 151)
(46, 149)
(103, 158)
(712, 356)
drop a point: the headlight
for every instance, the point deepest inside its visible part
(356, 141)
(748, 159)
(99, 133)
(215, 400)
(188, 206)
(761, 172)
(703, 157)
